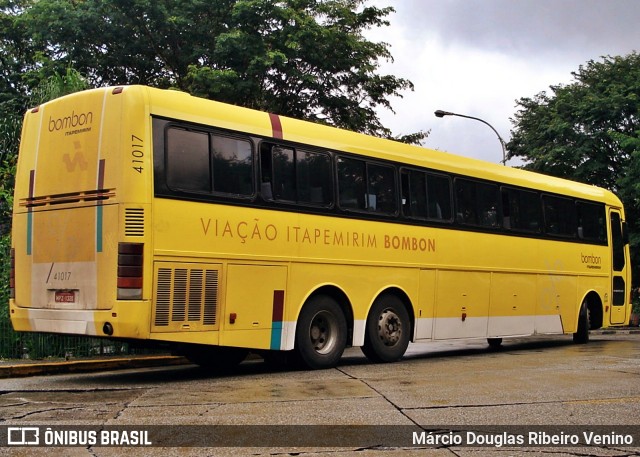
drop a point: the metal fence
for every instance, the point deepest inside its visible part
(36, 346)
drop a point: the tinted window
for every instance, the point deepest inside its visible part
(366, 186)
(296, 176)
(352, 183)
(188, 166)
(522, 210)
(232, 165)
(425, 195)
(477, 203)
(559, 216)
(381, 189)
(591, 221)
(314, 177)
(617, 240)
(201, 162)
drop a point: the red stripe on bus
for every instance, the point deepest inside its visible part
(101, 174)
(276, 125)
(278, 306)
(32, 181)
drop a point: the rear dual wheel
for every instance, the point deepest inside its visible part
(321, 333)
(387, 330)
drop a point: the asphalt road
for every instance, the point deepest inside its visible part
(537, 388)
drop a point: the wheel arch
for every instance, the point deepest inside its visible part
(596, 309)
(337, 294)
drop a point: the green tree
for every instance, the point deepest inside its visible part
(307, 59)
(588, 131)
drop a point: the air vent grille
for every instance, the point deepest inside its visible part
(186, 297)
(134, 222)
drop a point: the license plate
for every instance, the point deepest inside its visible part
(65, 297)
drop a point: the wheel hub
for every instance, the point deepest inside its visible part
(389, 328)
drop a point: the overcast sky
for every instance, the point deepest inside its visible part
(477, 57)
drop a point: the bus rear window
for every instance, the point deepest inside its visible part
(208, 163)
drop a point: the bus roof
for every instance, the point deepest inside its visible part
(177, 104)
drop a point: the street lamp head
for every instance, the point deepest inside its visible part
(441, 113)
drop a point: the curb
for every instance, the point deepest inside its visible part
(86, 366)
(619, 331)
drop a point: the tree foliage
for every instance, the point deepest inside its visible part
(302, 58)
(588, 131)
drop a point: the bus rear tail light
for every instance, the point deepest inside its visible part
(130, 261)
(12, 275)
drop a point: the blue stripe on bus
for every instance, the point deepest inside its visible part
(29, 231)
(99, 228)
(276, 335)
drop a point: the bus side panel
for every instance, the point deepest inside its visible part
(513, 302)
(556, 304)
(425, 311)
(462, 304)
(254, 306)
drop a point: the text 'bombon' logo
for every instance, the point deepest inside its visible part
(591, 261)
(72, 121)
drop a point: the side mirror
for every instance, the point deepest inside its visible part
(625, 233)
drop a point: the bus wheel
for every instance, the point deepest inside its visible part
(387, 330)
(494, 343)
(582, 334)
(215, 359)
(321, 333)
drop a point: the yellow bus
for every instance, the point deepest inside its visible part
(153, 216)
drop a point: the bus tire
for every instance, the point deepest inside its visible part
(582, 333)
(321, 333)
(387, 330)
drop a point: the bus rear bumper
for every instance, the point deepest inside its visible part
(125, 320)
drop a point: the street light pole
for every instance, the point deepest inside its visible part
(440, 113)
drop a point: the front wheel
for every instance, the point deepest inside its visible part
(321, 333)
(582, 334)
(387, 330)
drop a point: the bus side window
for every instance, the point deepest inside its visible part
(439, 197)
(292, 175)
(232, 161)
(187, 160)
(521, 210)
(591, 221)
(314, 178)
(277, 173)
(266, 172)
(559, 216)
(381, 188)
(414, 194)
(366, 186)
(351, 183)
(477, 203)
(284, 173)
